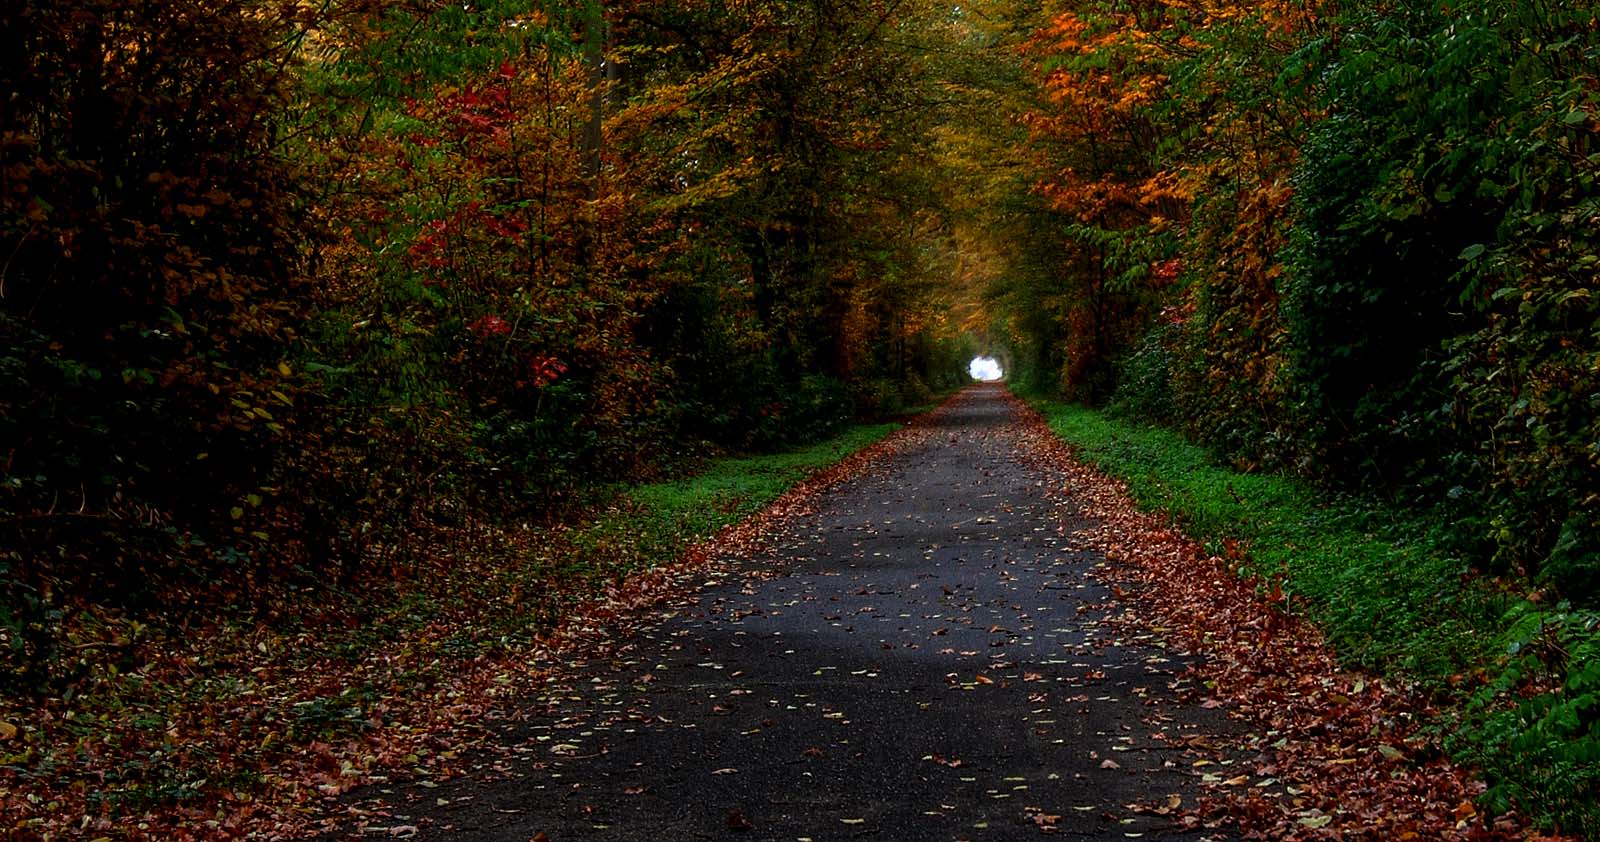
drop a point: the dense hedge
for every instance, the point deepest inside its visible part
(1385, 242)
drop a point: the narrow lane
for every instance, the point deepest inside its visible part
(931, 662)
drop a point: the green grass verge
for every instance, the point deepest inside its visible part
(1519, 683)
(1375, 582)
(652, 523)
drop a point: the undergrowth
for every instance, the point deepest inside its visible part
(1517, 679)
(158, 713)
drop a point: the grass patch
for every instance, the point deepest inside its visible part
(652, 523)
(1518, 682)
(1375, 581)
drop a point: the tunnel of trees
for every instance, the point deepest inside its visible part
(288, 287)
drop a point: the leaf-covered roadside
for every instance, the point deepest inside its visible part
(1511, 672)
(248, 723)
(1353, 753)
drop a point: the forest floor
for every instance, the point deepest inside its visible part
(973, 636)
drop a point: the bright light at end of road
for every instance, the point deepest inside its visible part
(985, 369)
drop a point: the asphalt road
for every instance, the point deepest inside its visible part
(930, 662)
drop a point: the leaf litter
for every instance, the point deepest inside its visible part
(1336, 755)
(1332, 755)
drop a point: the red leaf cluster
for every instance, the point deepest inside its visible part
(490, 325)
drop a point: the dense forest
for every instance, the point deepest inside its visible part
(306, 278)
(296, 294)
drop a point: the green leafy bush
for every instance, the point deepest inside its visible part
(1439, 295)
(1538, 739)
